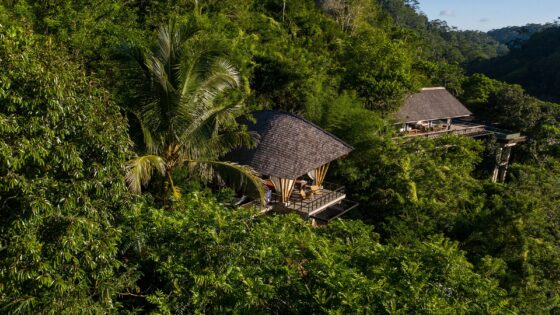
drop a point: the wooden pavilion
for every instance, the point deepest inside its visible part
(294, 155)
(431, 110)
(434, 112)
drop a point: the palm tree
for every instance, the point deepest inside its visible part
(184, 118)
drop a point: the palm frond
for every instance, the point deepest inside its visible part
(214, 133)
(151, 145)
(227, 118)
(169, 42)
(223, 76)
(139, 171)
(165, 44)
(197, 121)
(153, 116)
(210, 138)
(158, 71)
(247, 175)
(229, 139)
(201, 111)
(189, 71)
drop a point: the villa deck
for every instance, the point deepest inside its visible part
(333, 212)
(469, 129)
(325, 204)
(458, 128)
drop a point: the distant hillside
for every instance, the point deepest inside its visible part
(442, 42)
(535, 65)
(513, 36)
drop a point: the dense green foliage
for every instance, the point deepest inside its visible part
(208, 259)
(439, 41)
(62, 143)
(432, 234)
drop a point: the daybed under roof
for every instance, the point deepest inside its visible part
(431, 104)
(289, 146)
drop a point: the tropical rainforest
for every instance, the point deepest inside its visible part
(116, 115)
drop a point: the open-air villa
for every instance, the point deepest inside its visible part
(293, 156)
(434, 112)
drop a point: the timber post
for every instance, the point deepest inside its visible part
(502, 162)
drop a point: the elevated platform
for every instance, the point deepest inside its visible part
(506, 139)
(334, 211)
(325, 204)
(468, 129)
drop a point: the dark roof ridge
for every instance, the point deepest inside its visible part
(308, 122)
(433, 88)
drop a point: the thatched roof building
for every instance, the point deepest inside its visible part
(431, 104)
(289, 146)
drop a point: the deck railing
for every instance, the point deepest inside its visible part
(467, 129)
(329, 193)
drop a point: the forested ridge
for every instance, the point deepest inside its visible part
(115, 117)
(532, 63)
(514, 36)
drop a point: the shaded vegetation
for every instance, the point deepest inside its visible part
(80, 85)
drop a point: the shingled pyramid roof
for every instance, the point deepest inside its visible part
(431, 104)
(289, 146)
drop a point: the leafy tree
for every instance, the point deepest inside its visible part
(90, 31)
(515, 36)
(63, 143)
(477, 89)
(513, 109)
(450, 76)
(384, 73)
(437, 41)
(517, 227)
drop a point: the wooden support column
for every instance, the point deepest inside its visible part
(449, 123)
(506, 153)
(497, 165)
(502, 162)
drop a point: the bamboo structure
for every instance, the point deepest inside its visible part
(318, 175)
(284, 187)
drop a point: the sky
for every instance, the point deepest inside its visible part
(484, 15)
